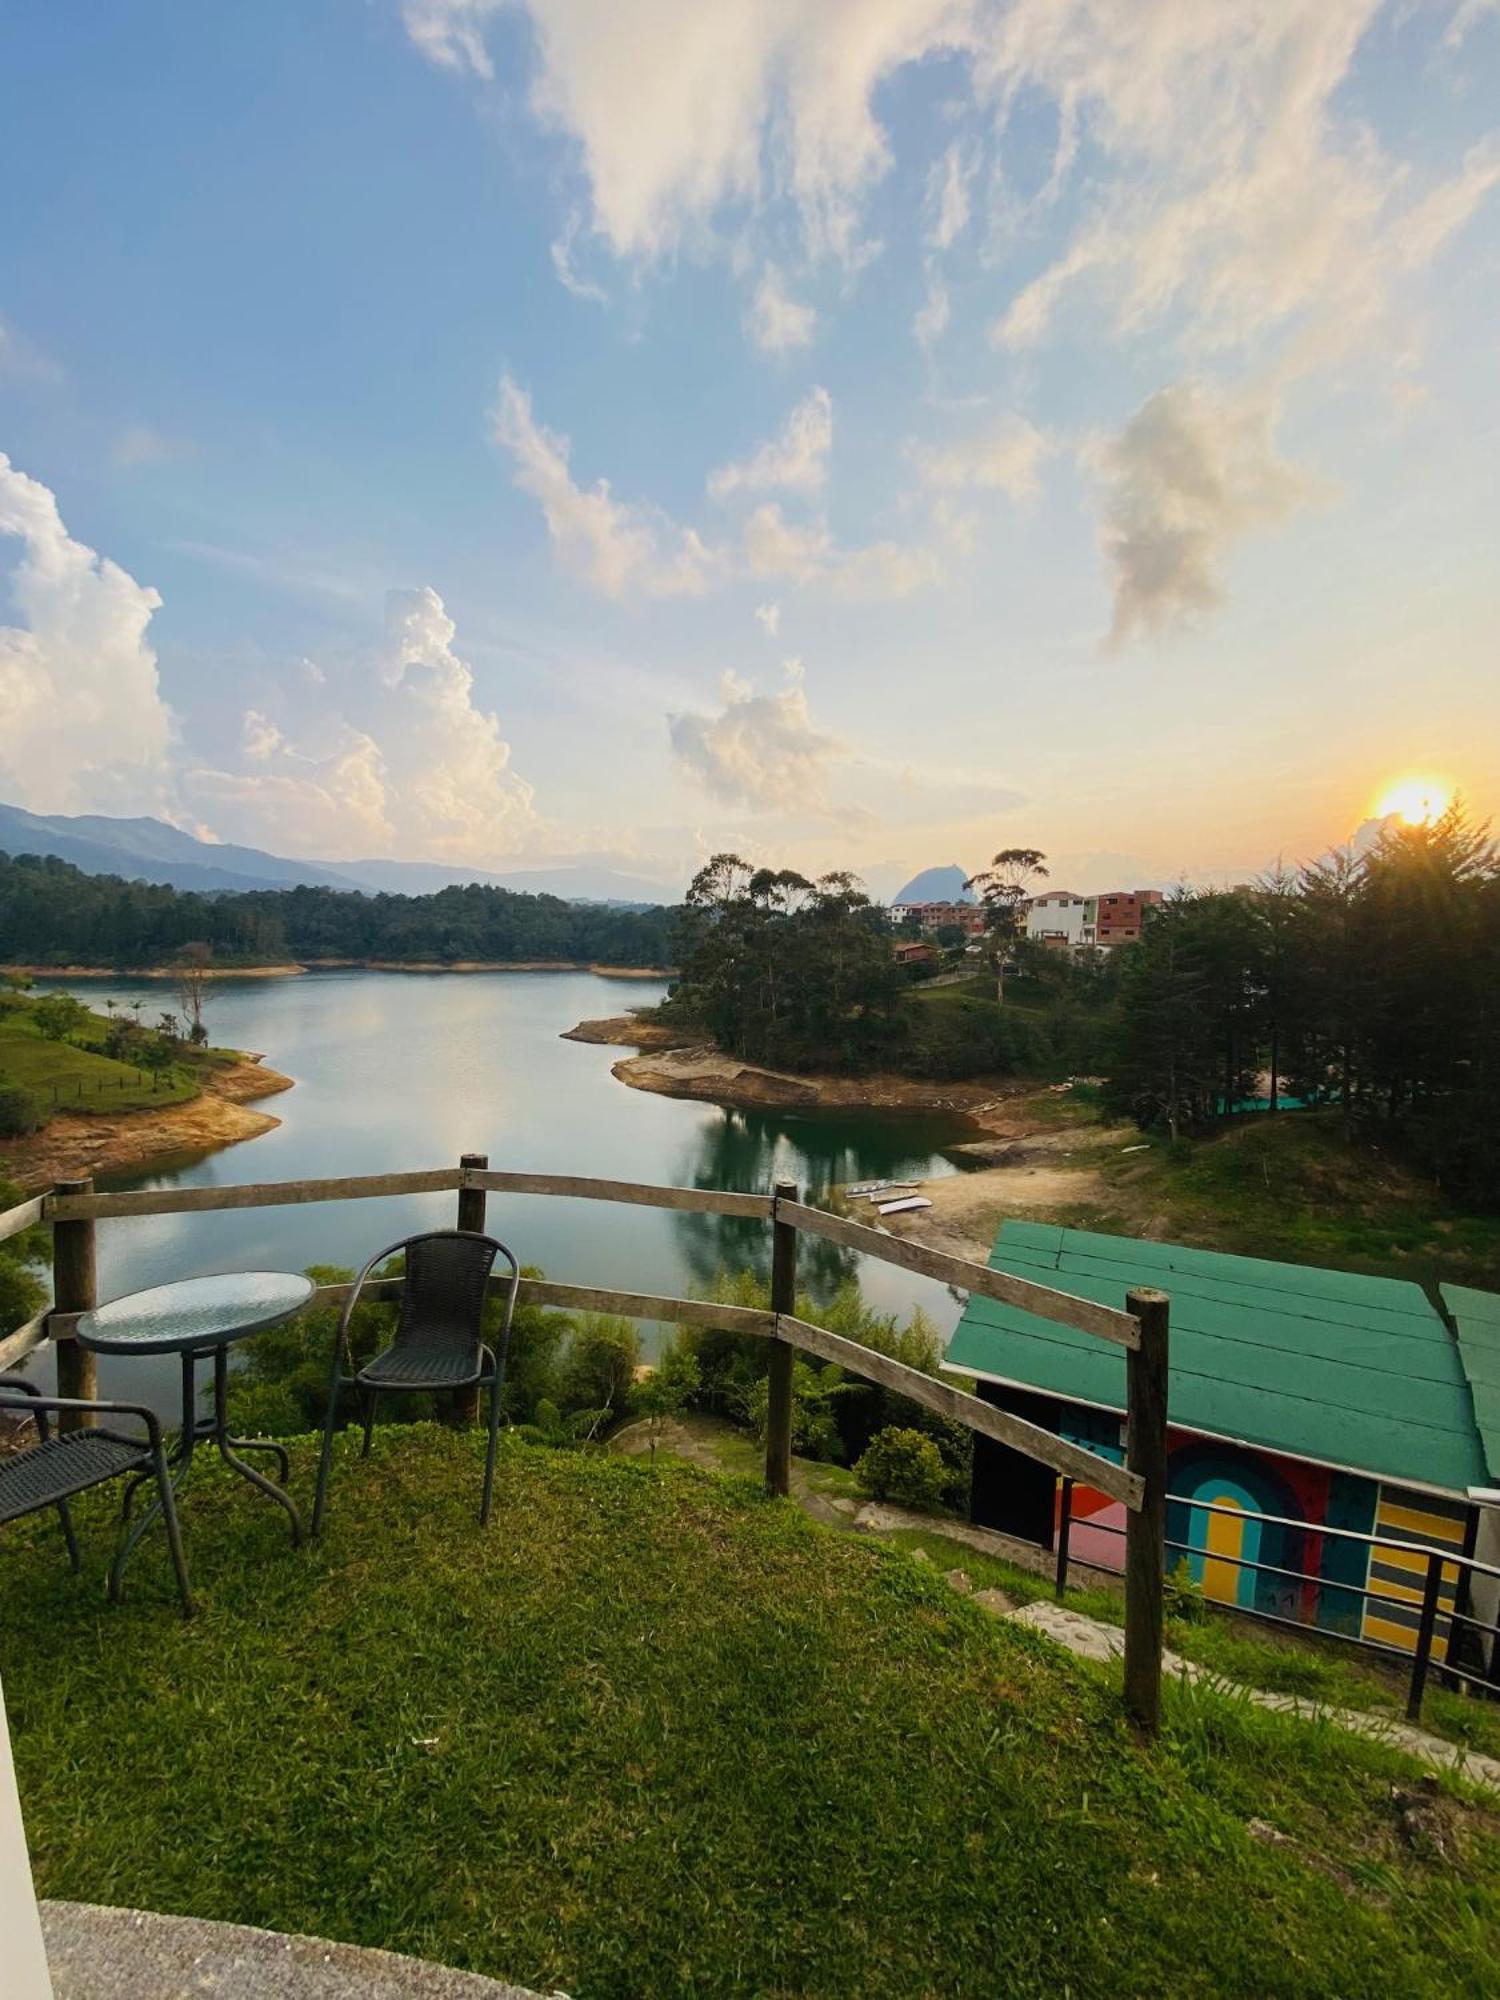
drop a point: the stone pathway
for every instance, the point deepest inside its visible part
(1091, 1639)
(100, 1954)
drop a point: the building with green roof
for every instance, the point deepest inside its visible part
(1320, 1399)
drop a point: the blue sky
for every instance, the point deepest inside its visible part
(1063, 422)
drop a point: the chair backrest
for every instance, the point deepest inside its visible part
(442, 1300)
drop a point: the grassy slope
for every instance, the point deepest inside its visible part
(655, 1734)
(83, 1077)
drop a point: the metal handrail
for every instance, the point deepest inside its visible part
(1435, 1559)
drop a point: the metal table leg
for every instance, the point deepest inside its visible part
(225, 1441)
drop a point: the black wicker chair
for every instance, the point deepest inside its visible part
(62, 1463)
(437, 1345)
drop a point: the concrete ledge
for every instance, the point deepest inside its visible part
(101, 1954)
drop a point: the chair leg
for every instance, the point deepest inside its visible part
(325, 1460)
(174, 1532)
(489, 1453)
(368, 1397)
(74, 1558)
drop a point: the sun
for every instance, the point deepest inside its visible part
(1418, 801)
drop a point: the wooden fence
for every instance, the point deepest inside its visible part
(73, 1210)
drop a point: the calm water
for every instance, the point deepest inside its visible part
(408, 1070)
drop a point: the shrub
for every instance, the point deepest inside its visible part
(904, 1467)
(20, 1112)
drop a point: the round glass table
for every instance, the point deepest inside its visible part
(200, 1319)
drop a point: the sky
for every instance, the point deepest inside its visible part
(867, 435)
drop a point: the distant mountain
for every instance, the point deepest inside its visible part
(149, 850)
(937, 885)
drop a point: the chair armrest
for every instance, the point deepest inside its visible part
(22, 1382)
(39, 1403)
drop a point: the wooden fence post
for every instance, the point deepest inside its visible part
(779, 1377)
(471, 1202)
(75, 1288)
(1146, 1526)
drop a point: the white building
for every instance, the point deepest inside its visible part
(1061, 918)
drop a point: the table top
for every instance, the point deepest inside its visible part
(194, 1313)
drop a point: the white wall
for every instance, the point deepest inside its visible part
(24, 1965)
(1067, 917)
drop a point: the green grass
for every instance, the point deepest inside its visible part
(64, 1076)
(653, 1733)
(1293, 1187)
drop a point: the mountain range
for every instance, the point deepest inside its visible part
(149, 850)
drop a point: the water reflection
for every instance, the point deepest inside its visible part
(408, 1070)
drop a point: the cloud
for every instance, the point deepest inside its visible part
(1189, 476)
(796, 459)
(769, 618)
(401, 758)
(775, 321)
(450, 33)
(758, 750)
(85, 725)
(724, 103)
(930, 321)
(1007, 458)
(141, 444)
(22, 360)
(805, 552)
(617, 547)
(1227, 184)
(563, 267)
(948, 186)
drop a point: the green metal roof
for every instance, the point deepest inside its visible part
(1477, 1317)
(1324, 1365)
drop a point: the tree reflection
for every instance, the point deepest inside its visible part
(748, 1151)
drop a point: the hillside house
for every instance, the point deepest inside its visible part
(1324, 1399)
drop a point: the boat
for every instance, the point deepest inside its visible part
(873, 1188)
(905, 1205)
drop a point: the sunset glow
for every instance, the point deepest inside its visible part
(1418, 801)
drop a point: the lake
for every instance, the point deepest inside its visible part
(401, 1071)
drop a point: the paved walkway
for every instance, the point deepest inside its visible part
(99, 1954)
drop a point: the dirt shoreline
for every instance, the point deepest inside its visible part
(293, 970)
(75, 1143)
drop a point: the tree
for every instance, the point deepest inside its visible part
(1003, 890)
(661, 1393)
(59, 1015)
(192, 975)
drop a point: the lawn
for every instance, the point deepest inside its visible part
(64, 1076)
(1293, 1187)
(656, 1734)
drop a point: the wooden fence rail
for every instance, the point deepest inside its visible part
(74, 1208)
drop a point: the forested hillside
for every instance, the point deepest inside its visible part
(53, 914)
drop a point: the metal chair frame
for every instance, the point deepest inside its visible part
(489, 1371)
(147, 1459)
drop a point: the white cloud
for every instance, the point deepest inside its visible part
(1191, 474)
(566, 271)
(1227, 184)
(85, 725)
(948, 187)
(930, 321)
(758, 750)
(769, 618)
(775, 546)
(617, 547)
(450, 33)
(775, 321)
(795, 459)
(723, 102)
(23, 360)
(1006, 458)
(805, 552)
(401, 758)
(142, 444)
